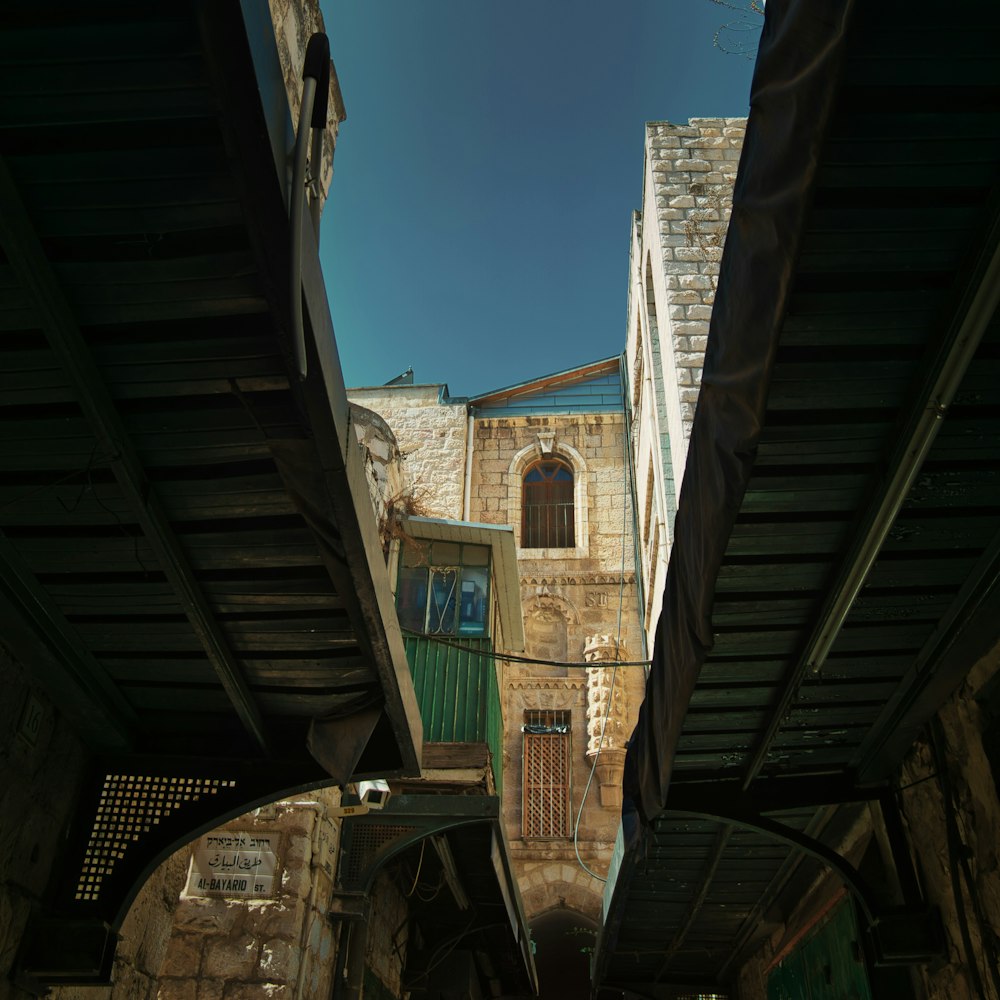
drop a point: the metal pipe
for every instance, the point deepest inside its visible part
(337, 991)
(319, 814)
(356, 960)
(316, 179)
(467, 497)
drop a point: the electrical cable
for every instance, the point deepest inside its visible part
(420, 864)
(614, 672)
(513, 658)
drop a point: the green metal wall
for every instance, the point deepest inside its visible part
(458, 694)
(826, 966)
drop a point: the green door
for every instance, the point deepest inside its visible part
(827, 965)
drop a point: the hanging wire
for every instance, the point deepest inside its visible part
(614, 672)
(511, 657)
(420, 864)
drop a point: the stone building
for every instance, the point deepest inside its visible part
(546, 457)
(674, 255)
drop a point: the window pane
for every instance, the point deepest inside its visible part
(411, 597)
(441, 609)
(547, 507)
(472, 614)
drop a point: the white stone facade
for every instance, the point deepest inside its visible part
(432, 437)
(676, 247)
(569, 596)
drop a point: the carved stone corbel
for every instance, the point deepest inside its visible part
(607, 721)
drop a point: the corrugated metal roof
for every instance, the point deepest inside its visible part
(892, 304)
(593, 387)
(188, 554)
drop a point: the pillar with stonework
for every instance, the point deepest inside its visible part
(607, 724)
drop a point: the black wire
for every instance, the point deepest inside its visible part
(525, 659)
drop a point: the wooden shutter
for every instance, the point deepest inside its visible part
(546, 803)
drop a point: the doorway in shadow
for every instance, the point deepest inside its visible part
(564, 941)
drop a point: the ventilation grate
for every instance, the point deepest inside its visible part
(129, 807)
(367, 840)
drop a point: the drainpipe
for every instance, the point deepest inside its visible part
(356, 960)
(343, 933)
(467, 498)
(629, 461)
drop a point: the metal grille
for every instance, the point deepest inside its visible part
(546, 803)
(547, 507)
(367, 840)
(130, 806)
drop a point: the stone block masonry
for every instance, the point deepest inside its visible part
(431, 435)
(677, 245)
(263, 949)
(691, 170)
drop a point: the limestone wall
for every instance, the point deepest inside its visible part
(974, 788)
(690, 172)
(264, 949)
(388, 931)
(677, 243)
(431, 435)
(294, 22)
(568, 597)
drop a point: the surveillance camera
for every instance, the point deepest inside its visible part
(374, 794)
(375, 798)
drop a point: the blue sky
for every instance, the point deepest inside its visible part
(477, 227)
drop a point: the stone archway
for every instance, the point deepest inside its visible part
(547, 620)
(563, 940)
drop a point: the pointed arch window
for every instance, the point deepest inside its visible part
(547, 506)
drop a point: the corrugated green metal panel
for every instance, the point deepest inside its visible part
(457, 693)
(827, 966)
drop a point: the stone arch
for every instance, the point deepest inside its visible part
(547, 618)
(547, 445)
(563, 940)
(561, 885)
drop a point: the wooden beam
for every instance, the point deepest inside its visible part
(47, 645)
(694, 909)
(976, 303)
(56, 319)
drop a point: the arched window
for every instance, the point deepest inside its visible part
(547, 506)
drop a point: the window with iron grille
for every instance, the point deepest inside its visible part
(546, 786)
(547, 506)
(443, 588)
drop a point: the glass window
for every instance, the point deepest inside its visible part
(446, 592)
(547, 506)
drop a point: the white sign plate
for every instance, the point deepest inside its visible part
(234, 863)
